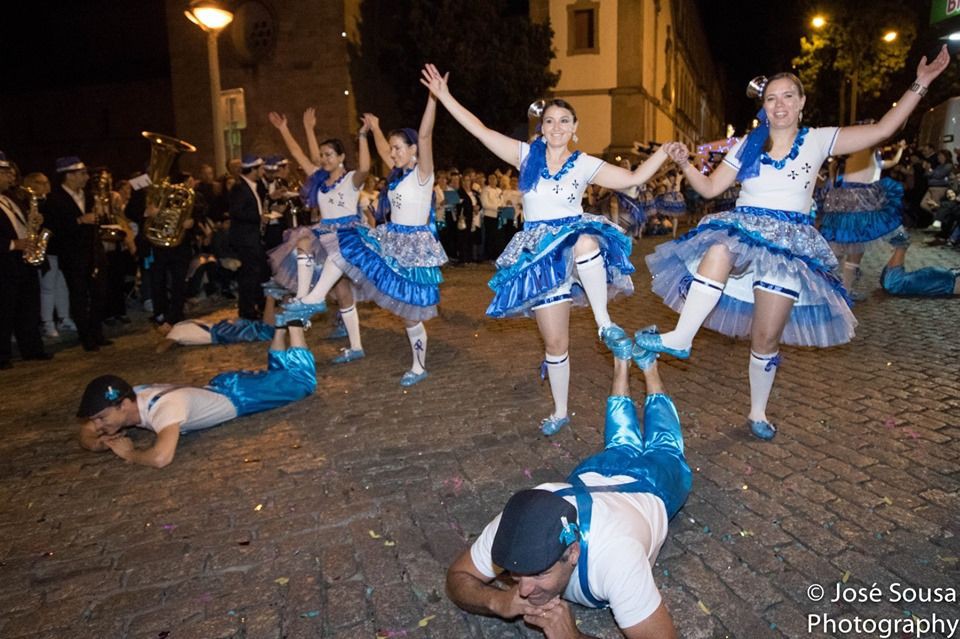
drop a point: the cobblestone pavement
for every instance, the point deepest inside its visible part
(336, 516)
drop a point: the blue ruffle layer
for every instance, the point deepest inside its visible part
(545, 261)
(852, 229)
(412, 292)
(821, 317)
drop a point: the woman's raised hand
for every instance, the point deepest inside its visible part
(278, 120)
(436, 83)
(370, 121)
(927, 73)
(310, 118)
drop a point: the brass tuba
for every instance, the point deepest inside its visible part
(174, 202)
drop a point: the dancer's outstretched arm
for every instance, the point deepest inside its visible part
(504, 147)
(279, 121)
(854, 138)
(709, 186)
(310, 126)
(425, 139)
(363, 156)
(383, 146)
(617, 177)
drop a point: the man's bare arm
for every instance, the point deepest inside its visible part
(157, 456)
(659, 625)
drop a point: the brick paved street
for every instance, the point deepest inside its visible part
(336, 516)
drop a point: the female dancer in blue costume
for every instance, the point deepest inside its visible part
(397, 264)
(559, 245)
(861, 209)
(782, 285)
(335, 191)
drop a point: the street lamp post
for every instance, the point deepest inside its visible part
(210, 16)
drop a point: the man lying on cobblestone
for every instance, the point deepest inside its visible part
(110, 404)
(619, 500)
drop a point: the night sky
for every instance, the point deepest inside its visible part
(58, 43)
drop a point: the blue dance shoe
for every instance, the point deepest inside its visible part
(900, 240)
(610, 334)
(622, 348)
(282, 320)
(552, 425)
(274, 290)
(642, 358)
(410, 378)
(296, 306)
(653, 342)
(347, 355)
(762, 430)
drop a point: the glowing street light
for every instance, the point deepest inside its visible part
(210, 16)
(889, 36)
(818, 22)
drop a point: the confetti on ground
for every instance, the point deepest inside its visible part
(748, 470)
(373, 535)
(250, 460)
(258, 507)
(389, 543)
(310, 614)
(169, 527)
(846, 576)
(746, 533)
(745, 487)
(527, 473)
(912, 434)
(703, 607)
(454, 483)
(889, 422)
(283, 581)
(423, 622)
(946, 560)
(888, 501)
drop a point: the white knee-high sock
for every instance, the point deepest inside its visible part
(418, 346)
(593, 277)
(329, 276)
(305, 268)
(352, 321)
(703, 296)
(763, 370)
(850, 273)
(558, 369)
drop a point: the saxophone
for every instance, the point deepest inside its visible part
(39, 237)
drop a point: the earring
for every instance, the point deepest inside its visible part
(341, 165)
(800, 117)
(575, 138)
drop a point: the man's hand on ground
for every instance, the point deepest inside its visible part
(556, 620)
(121, 445)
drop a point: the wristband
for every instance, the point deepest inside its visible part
(919, 89)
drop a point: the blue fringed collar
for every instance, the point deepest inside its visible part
(567, 165)
(794, 152)
(399, 177)
(326, 188)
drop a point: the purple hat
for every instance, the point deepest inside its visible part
(4, 162)
(250, 161)
(70, 163)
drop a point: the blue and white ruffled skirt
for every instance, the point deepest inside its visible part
(766, 244)
(395, 265)
(855, 215)
(671, 204)
(538, 263)
(323, 235)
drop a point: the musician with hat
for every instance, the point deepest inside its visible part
(246, 210)
(19, 281)
(68, 212)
